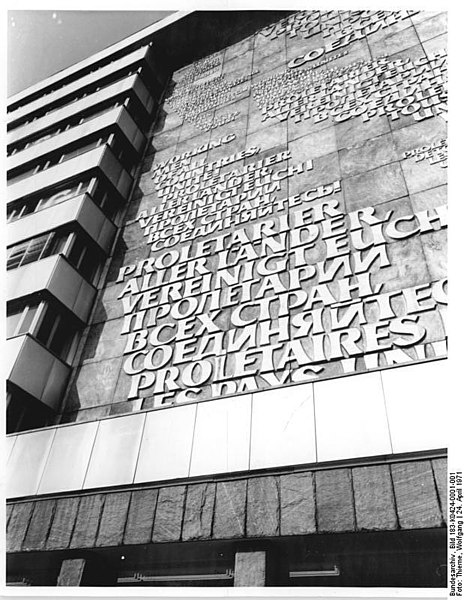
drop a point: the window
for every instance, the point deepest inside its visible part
(42, 138)
(81, 149)
(57, 333)
(36, 249)
(70, 80)
(46, 321)
(23, 175)
(80, 250)
(108, 203)
(101, 196)
(98, 112)
(65, 126)
(62, 195)
(70, 98)
(21, 317)
(37, 203)
(123, 154)
(55, 159)
(25, 412)
(139, 112)
(85, 257)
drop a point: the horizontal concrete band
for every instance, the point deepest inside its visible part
(297, 425)
(382, 497)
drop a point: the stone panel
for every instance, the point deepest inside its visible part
(122, 389)
(237, 66)
(255, 122)
(440, 472)
(104, 341)
(17, 526)
(326, 169)
(9, 511)
(422, 175)
(393, 28)
(71, 572)
(424, 15)
(300, 46)
(268, 137)
(435, 245)
(113, 519)
(242, 47)
(199, 507)
(63, 522)
(368, 155)
(373, 498)
(413, 52)
(167, 121)
(432, 198)
(436, 44)
(95, 383)
(250, 569)
(87, 522)
(238, 126)
(263, 46)
(433, 27)
(269, 62)
(229, 512)
(297, 504)
(353, 131)
(140, 517)
(313, 146)
(169, 512)
(39, 525)
(190, 144)
(334, 501)
(394, 42)
(167, 139)
(359, 51)
(408, 267)
(374, 187)
(189, 131)
(415, 494)
(419, 134)
(263, 510)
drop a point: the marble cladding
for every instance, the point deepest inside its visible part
(367, 157)
(345, 499)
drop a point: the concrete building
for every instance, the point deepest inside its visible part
(226, 306)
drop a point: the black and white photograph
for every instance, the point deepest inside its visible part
(226, 295)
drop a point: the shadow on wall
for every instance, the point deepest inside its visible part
(95, 388)
(160, 120)
(92, 386)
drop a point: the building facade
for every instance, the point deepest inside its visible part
(226, 306)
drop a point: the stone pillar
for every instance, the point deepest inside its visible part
(71, 572)
(250, 569)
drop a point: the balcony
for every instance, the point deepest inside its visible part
(141, 57)
(59, 278)
(117, 119)
(80, 209)
(100, 159)
(46, 381)
(130, 86)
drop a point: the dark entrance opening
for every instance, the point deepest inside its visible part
(371, 559)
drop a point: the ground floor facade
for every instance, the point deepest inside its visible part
(377, 523)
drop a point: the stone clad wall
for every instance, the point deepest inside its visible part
(291, 207)
(403, 495)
